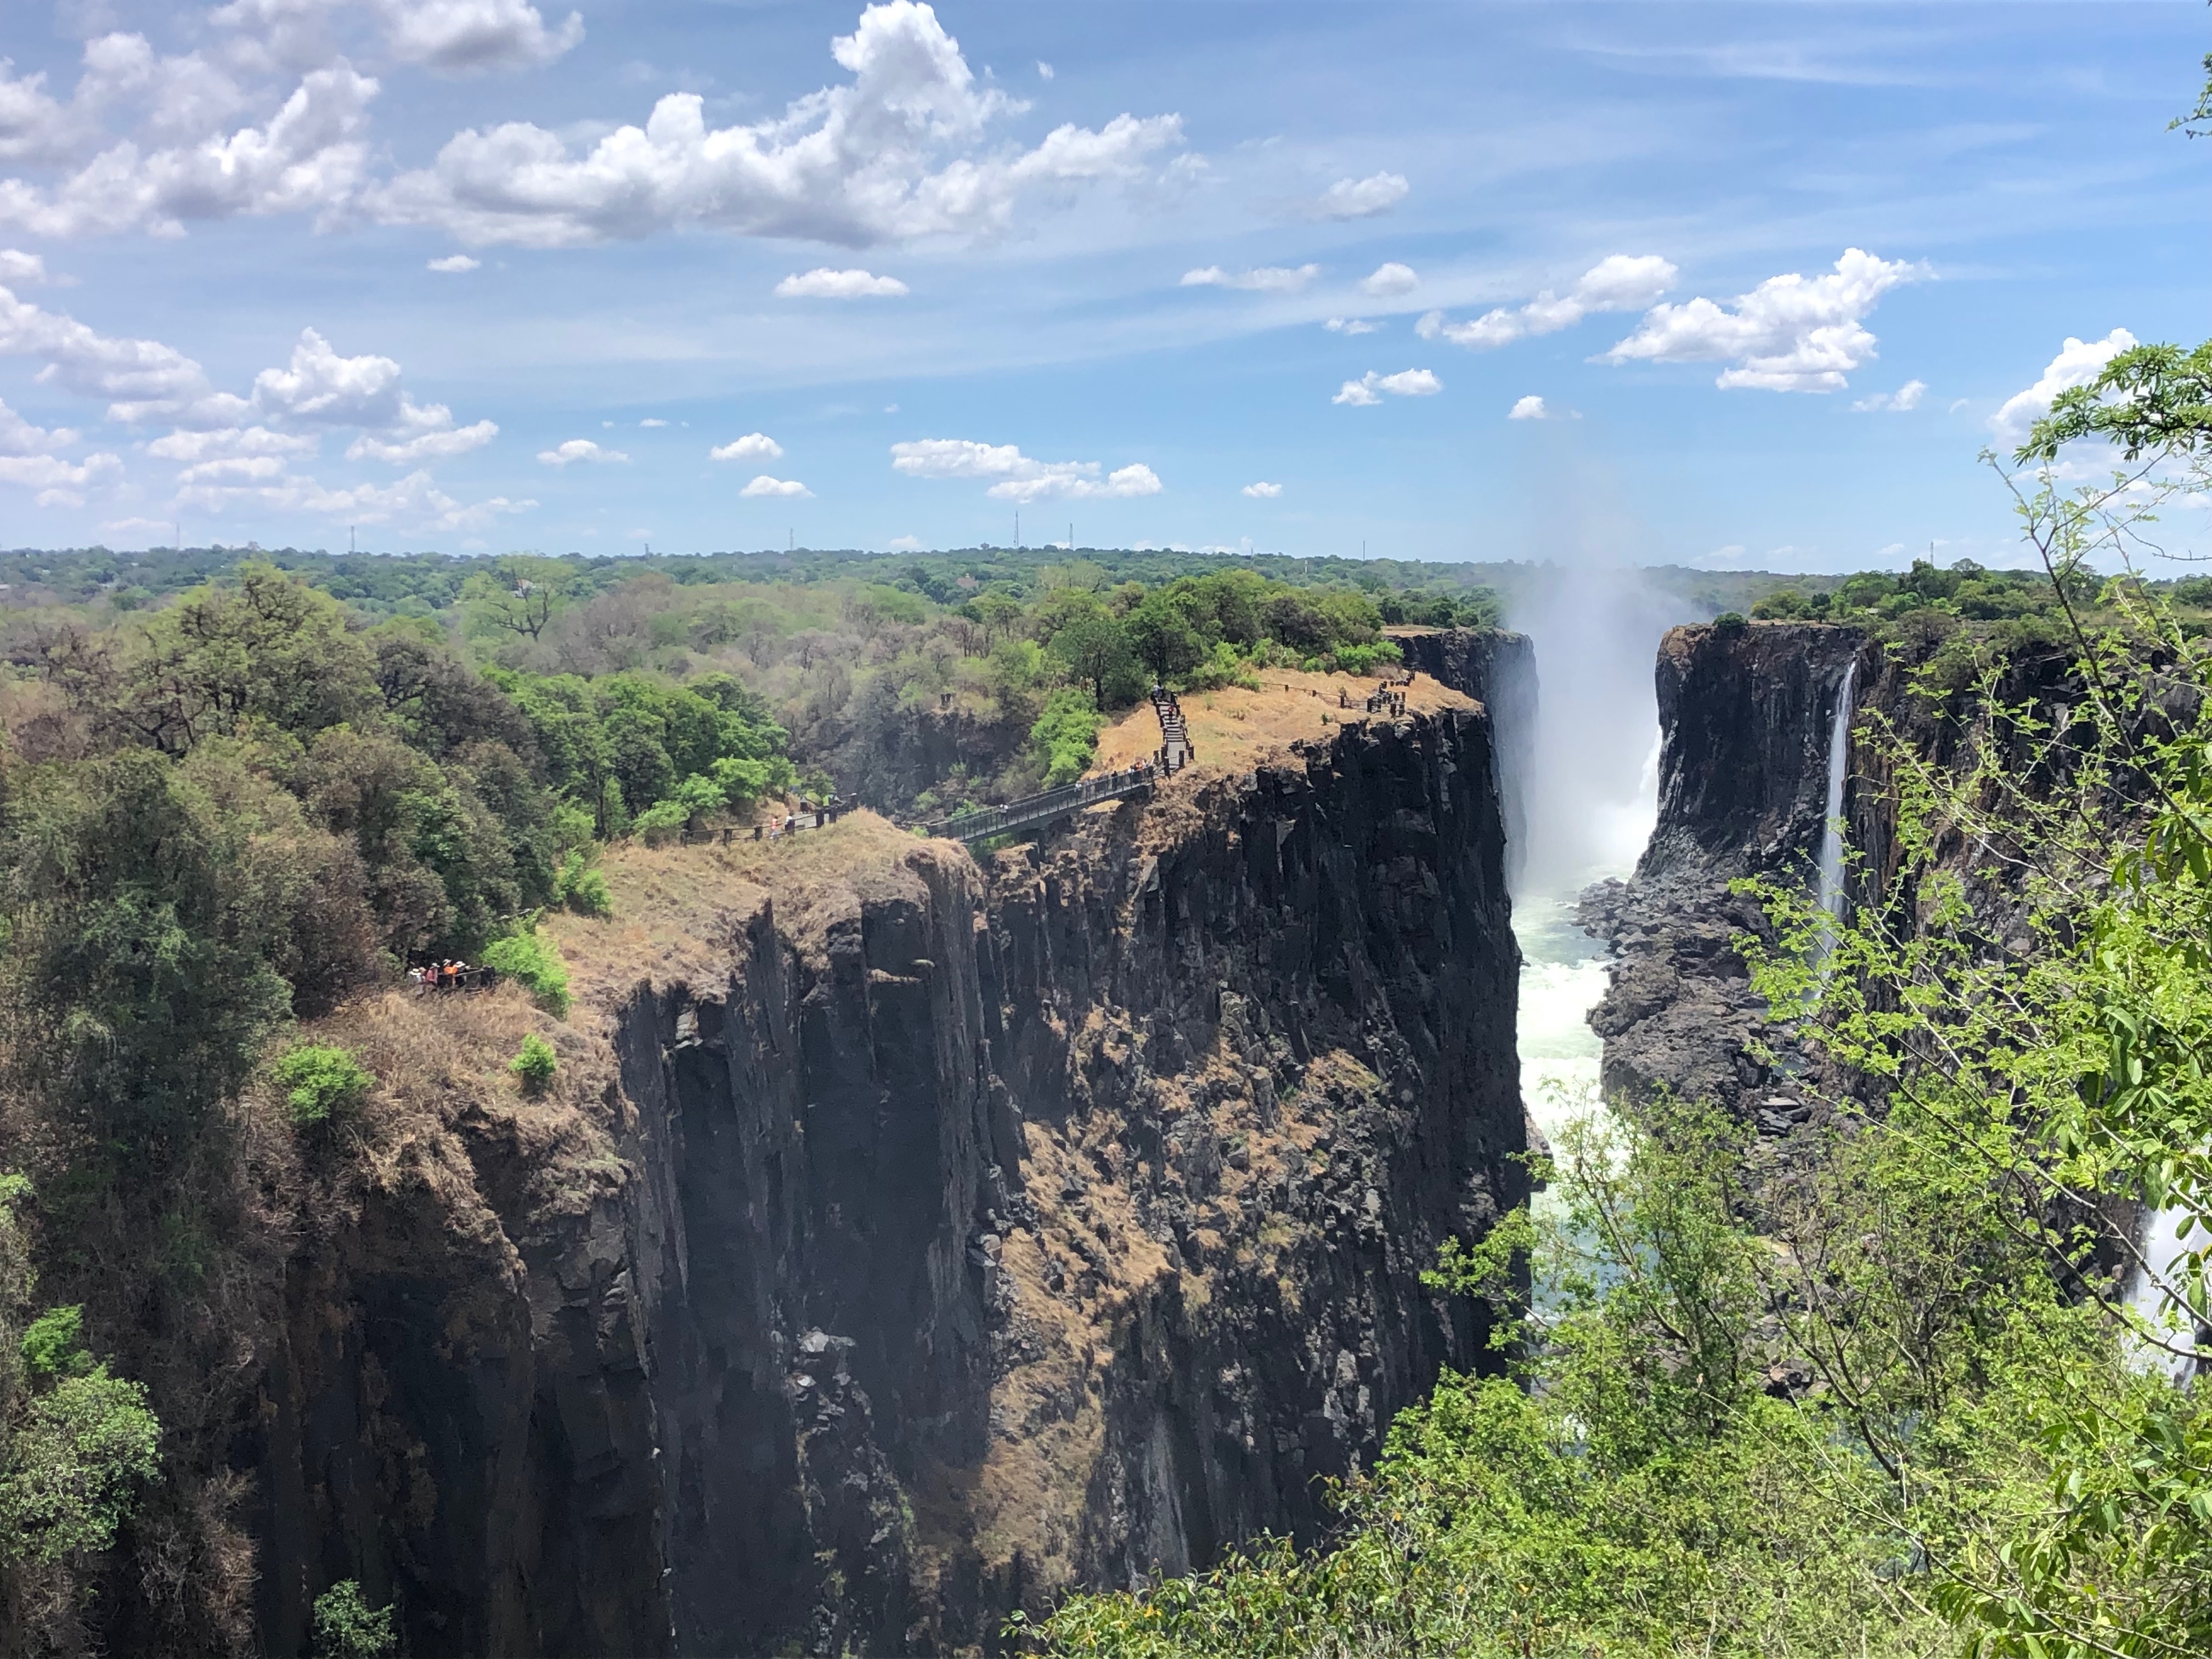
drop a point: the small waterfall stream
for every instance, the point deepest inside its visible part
(1831, 834)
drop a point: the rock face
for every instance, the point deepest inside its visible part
(929, 1237)
(1745, 716)
(1499, 670)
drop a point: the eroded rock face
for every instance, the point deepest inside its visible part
(1745, 717)
(1005, 1230)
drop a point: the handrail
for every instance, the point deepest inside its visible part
(1050, 804)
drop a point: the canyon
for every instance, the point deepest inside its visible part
(911, 1236)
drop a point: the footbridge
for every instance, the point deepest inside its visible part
(1174, 754)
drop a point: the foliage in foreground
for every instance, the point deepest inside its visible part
(1893, 1400)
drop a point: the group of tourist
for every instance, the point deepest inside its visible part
(450, 975)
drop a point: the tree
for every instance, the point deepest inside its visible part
(520, 595)
(1094, 648)
(1161, 633)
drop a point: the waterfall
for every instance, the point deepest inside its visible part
(1831, 834)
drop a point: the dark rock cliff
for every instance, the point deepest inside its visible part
(1746, 718)
(911, 1240)
(1497, 669)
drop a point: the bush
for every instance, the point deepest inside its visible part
(346, 1627)
(1225, 667)
(661, 823)
(1066, 734)
(581, 888)
(74, 1466)
(1366, 658)
(1730, 621)
(535, 1062)
(535, 965)
(322, 1082)
(53, 1345)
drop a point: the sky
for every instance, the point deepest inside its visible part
(1737, 286)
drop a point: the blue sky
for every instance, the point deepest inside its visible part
(1775, 272)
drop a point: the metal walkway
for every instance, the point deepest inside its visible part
(1034, 810)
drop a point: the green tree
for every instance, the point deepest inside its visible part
(1094, 649)
(520, 596)
(346, 1627)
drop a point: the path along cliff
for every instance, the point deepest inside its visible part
(906, 1239)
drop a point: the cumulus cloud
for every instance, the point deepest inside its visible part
(1406, 383)
(1359, 198)
(415, 499)
(1264, 492)
(208, 443)
(465, 36)
(19, 437)
(1391, 280)
(2078, 363)
(897, 151)
(1791, 333)
(1264, 279)
(454, 264)
(58, 483)
(1906, 397)
(439, 443)
(21, 270)
(764, 485)
(1018, 477)
(824, 284)
(1619, 282)
(1350, 325)
(753, 447)
(1527, 409)
(578, 449)
(312, 155)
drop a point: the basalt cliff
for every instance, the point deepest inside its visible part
(907, 1237)
(1766, 728)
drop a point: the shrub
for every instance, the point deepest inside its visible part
(1066, 733)
(535, 965)
(346, 1627)
(1225, 667)
(1366, 658)
(321, 1081)
(74, 1466)
(580, 887)
(53, 1345)
(535, 1062)
(1730, 621)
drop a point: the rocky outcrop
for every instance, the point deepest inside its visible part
(1060, 1223)
(907, 1239)
(1497, 669)
(1746, 715)
(887, 752)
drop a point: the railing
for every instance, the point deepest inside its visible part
(1041, 809)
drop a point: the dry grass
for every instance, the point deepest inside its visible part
(1234, 730)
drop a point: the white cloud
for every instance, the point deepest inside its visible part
(22, 269)
(896, 152)
(312, 155)
(1359, 198)
(461, 36)
(1264, 492)
(1527, 409)
(1350, 325)
(234, 469)
(1619, 282)
(652, 423)
(415, 499)
(19, 437)
(1019, 477)
(764, 485)
(95, 364)
(454, 264)
(119, 528)
(905, 543)
(437, 444)
(2078, 363)
(59, 483)
(1406, 383)
(1265, 279)
(324, 388)
(1791, 333)
(1906, 397)
(578, 449)
(824, 284)
(753, 447)
(1391, 280)
(1044, 71)
(208, 443)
